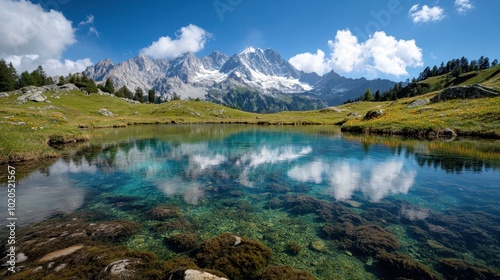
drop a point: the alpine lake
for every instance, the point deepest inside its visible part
(308, 200)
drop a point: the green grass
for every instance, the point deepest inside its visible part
(75, 110)
(26, 129)
(474, 117)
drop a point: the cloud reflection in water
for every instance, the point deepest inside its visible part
(376, 180)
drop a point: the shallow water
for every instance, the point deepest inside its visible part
(249, 181)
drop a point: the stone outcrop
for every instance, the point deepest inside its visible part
(465, 92)
(418, 103)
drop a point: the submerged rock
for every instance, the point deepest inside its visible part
(318, 245)
(462, 270)
(193, 274)
(398, 265)
(285, 272)
(60, 253)
(242, 261)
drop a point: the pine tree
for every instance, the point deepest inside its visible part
(7, 82)
(139, 95)
(25, 80)
(494, 62)
(109, 86)
(368, 96)
(377, 95)
(39, 76)
(151, 95)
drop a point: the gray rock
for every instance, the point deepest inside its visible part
(67, 87)
(121, 269)
(105, 112)
(352, 114)
(418, 103)
(331, 109)
(373, 114)
(425, 109)
(465, 92)
(37, 97)
(192, 274)
(4, 94)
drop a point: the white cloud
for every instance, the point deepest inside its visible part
(309, 62)
(89, 21)
(32, 36)
(426, 14)
(190, 38)
(463, 6)
(379, 54)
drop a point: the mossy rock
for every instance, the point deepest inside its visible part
(460, 269)
(164, 212)
(285, 272)
(237, 257)
(182, 242)
(396, 266)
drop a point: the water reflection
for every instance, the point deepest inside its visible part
(375, 180)
(49, 192)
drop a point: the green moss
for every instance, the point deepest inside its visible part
(239, 258)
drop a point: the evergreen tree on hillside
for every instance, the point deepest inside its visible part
(7, 80)
(139, 95)
(494, 62)
(109, 86)
(25, 80)
(39, 76)
(151, 96)
(368, 96)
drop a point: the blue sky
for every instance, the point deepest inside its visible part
(392, 39)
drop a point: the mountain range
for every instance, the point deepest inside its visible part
(253, 80)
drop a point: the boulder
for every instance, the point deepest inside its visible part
(32, 94)
(418, 103)
(465, 92)
(67, 87)
(4, 94)
(105, 112)
(373, 114)
(193, 274)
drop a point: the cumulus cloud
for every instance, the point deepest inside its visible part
(310, 62)
(190, 38)
(463, 6)
(32, 36)
(426, 13)
(379, 54)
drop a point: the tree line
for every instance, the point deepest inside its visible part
(10, 80)
(452, 69)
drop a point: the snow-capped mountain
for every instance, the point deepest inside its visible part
(218, 76)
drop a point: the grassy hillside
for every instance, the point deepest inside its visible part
(474, 117)
(33, 131)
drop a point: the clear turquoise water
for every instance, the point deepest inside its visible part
(224, 179)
